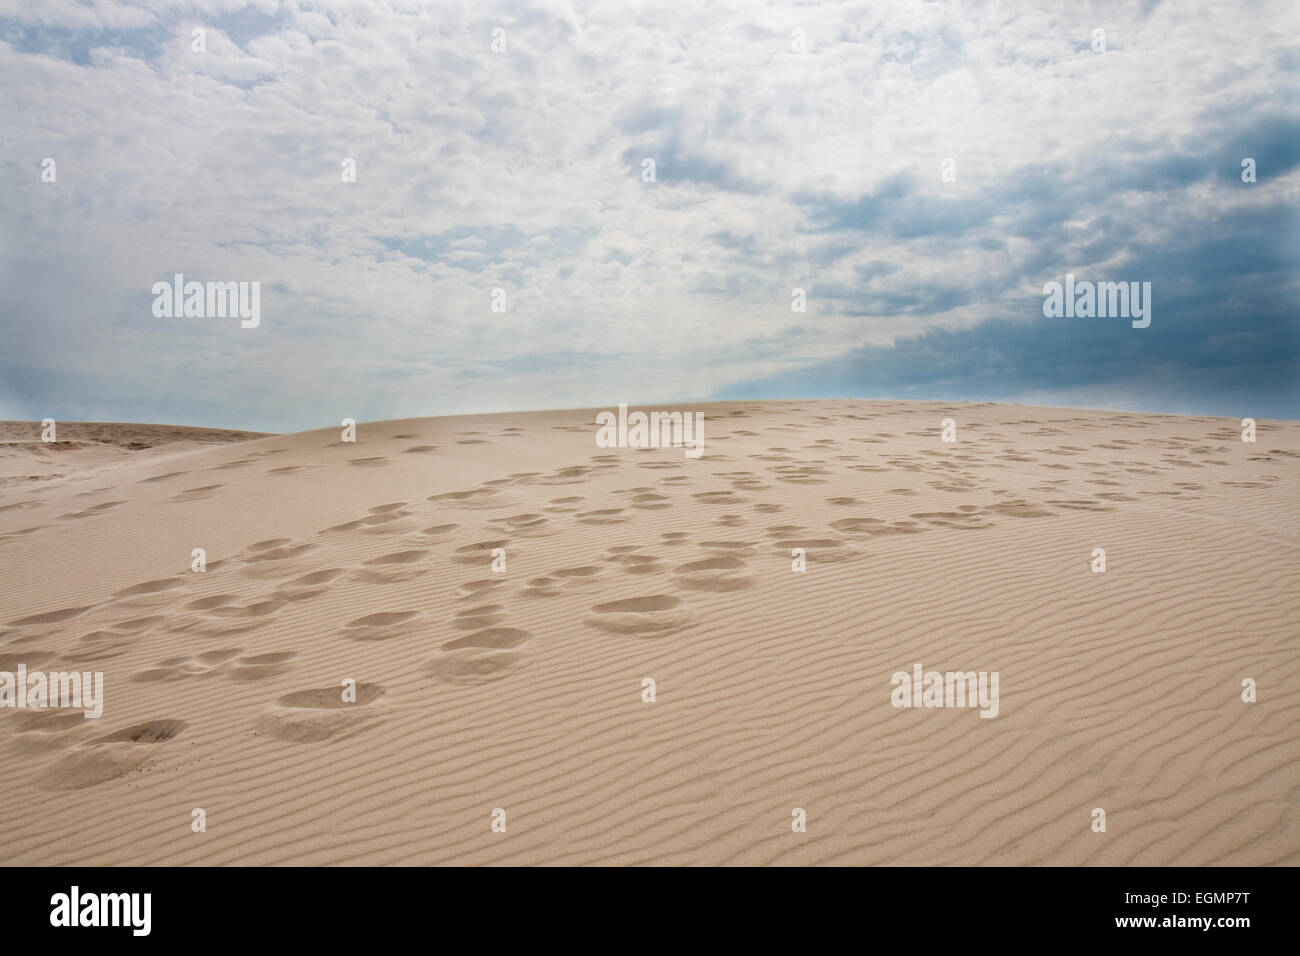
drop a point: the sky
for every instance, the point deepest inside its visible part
(920, 170)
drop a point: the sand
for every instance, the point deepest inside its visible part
(522, 689)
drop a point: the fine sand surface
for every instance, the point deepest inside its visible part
(522, 690)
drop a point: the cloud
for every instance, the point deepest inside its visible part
(520, 170)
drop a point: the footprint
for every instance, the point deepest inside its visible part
(492, 638)
(817, 550)
(138, 624)
(1020, 509)
(566, 579)
(346, 526)
(90, 512)
(718, 573)
(586, 571)
(380, 627)
(275, 551)
(148, 587)
(543, 587)
(739, 549)
(858, 525)
(111, 756)
(574, 474)
(315, 577)
(476, 618)
(479, 553)
(525, 525)
(719, 498)
(254, 610)
(208, 603)
(651, 616)
(473, 590)
(564, 505)
(438, 530)
(10, 662)
(259, 666)
(94, 647)
(1078, 504)
(196, 494)
(172, 669)
(42, 730)
(637, 563)
(478, 498)
(470, 666)
(213, 658)
(149, 732)
(311, 716)
(800, 474)
(170, 474)
(872, 527)
(954, 519)
(651, 502)
(268, 544)
(397, 557)
(385, 522)
(392, 568)
(52, 617)
(603, 516)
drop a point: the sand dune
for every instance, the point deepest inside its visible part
(522, 689)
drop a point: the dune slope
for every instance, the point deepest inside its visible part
(521, 688)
